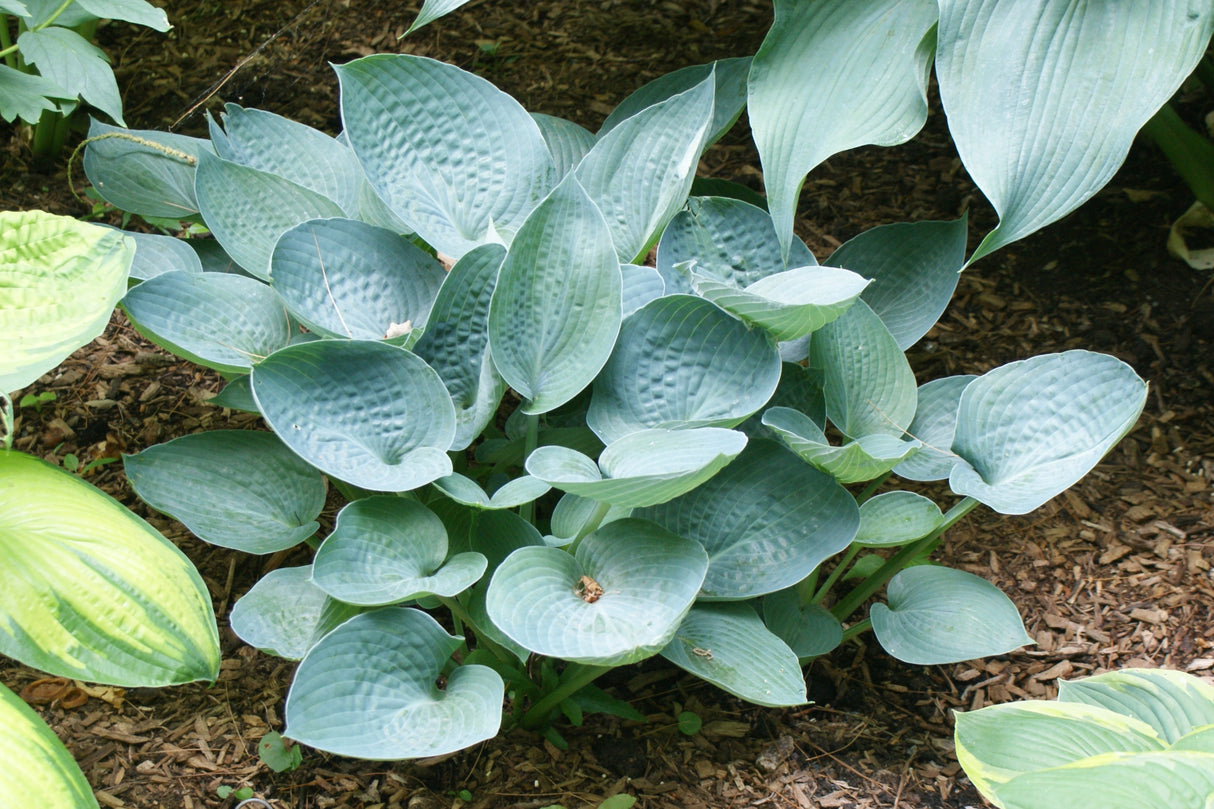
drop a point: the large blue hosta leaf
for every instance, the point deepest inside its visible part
(143, 171)
(284, 613)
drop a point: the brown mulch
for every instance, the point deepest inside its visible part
(1114, 573)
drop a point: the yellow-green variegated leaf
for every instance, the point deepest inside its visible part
(34, 762)
(89, 590)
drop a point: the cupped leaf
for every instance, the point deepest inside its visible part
(556, 310)
(642, 468)
(385, 549)
(75, 64)
(934, 425)
(808, 629)
(639, 173)
(940, 615)
(458, 160)
(226, 322)
(866, 458)
(36, 762)
(143, 171)
(233, 488)
(567, 142)
(281, 613)
(156, 254)
(1171, 702)
(616, 600)
(877, 61)
(767, 521)
(59, 282)
(366, 412)
(345, 278)
(914, 267)
(90, 591)
(682, 361)
(1028, 430)
(727, 645)
(1041, 139)
(1117, 781)
(896, 518)
(511, 495)
(367, 689)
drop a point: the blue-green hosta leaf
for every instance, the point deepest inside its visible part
(642, 581)
(456, 341)
(934, 425)
(366, 412)
(557, 307)
(1042, 138)
(14, 7)
(75, 64)
(90, 591)
(869, 386)
(248, 209)
(511, 495)
(237, 395)
(767, 520)
(789, 304)
(156, 254)
(727, 645)
(681, 361)
(896, 518)
(458, 160)
(641, 285)
(864, 458)
(877, 61)
(36, 762)
(281, 613)
(571, 514)
(729, 94)
(388, 549)
(940, 615)
(432, 10)
(367, 689)
(640, 172)
(1117, 781)
(1171, 702)
(999, 742)
(225, 322)
(567, 142)
(808, 629)
(233, 488)
(28, 95)
(642, 468)
(44, 12)
(345, 278)
(136, 12)
(59, 281)
(142, 171)
(1028, 430)
(294, 151)
(914, 267)
(728, 238)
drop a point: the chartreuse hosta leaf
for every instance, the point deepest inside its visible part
(283, 614)
(226, 322)
(1041, 139)
(567, 142)
(1173, 703)
(877, 57)
(156, 254)
(36, 762)
(556, 310)
(767, 521)
(934, 425)
(640, 172)
(247, 490)
(1117, 781)
(616, 600)
(458, 160)
(914, 267)
(301, 154)
(248, 209)
(865, 458)
(896, 518)
(682, 361)
(90, 591)
(456, 341)
(386, 549)
(366, 412)
(514, 493)
(940, 615)
(1028, 430)
(367, 689)
(143, 171)
(642, 468)
(59, 281)
(808, 629)
(727, 645)
(345, 278)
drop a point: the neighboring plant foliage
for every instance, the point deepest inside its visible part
(88, 590)
(669, 475)
(1123, 740)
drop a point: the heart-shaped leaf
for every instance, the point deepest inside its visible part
(616, 600)
(36, 762)
(366, 412)
(143, 171)
(808, 629)
(246, 490)
(367, 689)
(282, 612)
(896, 518)
(934, 424)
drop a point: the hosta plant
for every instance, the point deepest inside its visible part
(1121, 740)
(558, 456)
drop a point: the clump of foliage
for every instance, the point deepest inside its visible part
(668, 474)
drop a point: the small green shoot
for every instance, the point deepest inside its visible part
(689, 723)
(277, 753)
(239, 794)
(37, 400)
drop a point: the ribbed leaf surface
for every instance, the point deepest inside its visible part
(281, 613)
(140, 178)
(809, 630)
(36, 762)
(934, 425)
(567, 142)
(1172, 703)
